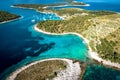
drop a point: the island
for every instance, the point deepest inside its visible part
(47, 69)
(6, 16)
(99, 29)
(43, 7)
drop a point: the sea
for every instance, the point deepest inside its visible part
(20, 44)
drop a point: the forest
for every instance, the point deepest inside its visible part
(6, 16)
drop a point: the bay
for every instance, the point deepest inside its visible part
(20, 44)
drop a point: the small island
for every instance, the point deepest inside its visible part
(47, 69)
(6, 16)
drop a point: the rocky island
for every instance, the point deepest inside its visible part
(54, 68)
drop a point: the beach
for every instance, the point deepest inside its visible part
(17, 37)
(11, 20)
(92, 54)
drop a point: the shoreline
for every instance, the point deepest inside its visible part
(73, 69)
(38, 11)
(93, 55)
(11, 20)
(67, 5)
(50, 6)
(48, 12)
(48, 33)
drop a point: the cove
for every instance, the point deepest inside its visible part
(24, 44)
(20, 44)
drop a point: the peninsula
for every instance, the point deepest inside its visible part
(100, 28)
(43, 7)
(6, 16)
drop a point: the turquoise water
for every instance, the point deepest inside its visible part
(24, 45)
(21, 44)
(98, 72)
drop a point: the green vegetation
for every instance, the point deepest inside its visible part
(82, 23)
(42, 71)
(110, 47)
(35, 6)
(106, 50)
(6, 16)
(40, 6)
(69, 12)
(102, 13)
(76, 24)
(69, 1)
(96, 26)
(78, 3)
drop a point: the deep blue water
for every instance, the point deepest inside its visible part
(21, 44)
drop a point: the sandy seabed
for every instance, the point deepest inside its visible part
(93, 55)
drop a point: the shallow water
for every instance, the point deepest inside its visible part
(21, 44)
